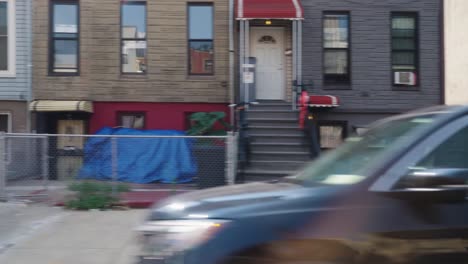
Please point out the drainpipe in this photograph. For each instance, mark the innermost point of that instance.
(442, 52)
(29, 15)
(232, 94)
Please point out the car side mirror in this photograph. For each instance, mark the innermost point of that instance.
(433, 185)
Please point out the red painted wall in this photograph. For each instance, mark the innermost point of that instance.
(158, 115)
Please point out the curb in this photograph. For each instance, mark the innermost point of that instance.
(139, 199)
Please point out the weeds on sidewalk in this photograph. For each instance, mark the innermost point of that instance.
(92, 195)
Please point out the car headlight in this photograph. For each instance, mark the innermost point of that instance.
(166, 238)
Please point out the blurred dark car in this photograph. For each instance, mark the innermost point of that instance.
(396, 194)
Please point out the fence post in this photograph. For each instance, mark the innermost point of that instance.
(45, 162)
(231, 155)
(114, 165)
(3, 171)
(235, 155)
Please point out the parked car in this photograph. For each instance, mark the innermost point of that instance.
(396, 194)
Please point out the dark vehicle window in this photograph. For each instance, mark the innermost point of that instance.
(453, 153)
(351, 162)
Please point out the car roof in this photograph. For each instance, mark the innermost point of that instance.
(441, 113)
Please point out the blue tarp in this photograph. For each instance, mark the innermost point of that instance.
(140, 160)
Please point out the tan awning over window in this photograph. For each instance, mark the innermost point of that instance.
(61, 106)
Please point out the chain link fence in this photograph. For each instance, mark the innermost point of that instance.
(33, 164)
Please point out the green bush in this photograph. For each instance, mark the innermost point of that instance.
(91, 195)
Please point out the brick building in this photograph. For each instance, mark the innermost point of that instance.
(361, 60)
(141, 64)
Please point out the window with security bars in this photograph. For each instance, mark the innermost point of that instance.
(405, 49)
(336, 48)
(331, 133)
(133, 37)
(64, 46)
(200, 38)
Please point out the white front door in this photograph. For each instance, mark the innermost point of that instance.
(267, 45)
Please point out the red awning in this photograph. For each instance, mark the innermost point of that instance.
(323, 101)
(269, 9)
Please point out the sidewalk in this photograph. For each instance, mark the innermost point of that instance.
(19, 220)
(89, 237)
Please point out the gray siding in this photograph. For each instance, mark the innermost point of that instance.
(371, 79)
(16, 88)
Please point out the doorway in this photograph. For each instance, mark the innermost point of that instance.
(267, 45)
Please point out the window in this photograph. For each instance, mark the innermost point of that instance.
(357, 158)
(200, 39)
(267, 40)
(135, 120)
(5, 122)
(7, 38)
(404, 49)
(64, 37)
(336, 47)
(453, 153)
(332, 133)
(133, 37)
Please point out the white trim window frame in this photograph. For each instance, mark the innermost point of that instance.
(11, 39)
(8, 141)
(9, 121)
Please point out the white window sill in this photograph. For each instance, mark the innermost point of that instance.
(7, 75)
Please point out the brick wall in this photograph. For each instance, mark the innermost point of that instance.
(100, 78)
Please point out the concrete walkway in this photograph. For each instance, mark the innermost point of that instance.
(70, 237)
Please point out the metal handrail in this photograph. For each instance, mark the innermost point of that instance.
(242, 127)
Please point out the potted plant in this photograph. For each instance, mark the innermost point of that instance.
(209, 153)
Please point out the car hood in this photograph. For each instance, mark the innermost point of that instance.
(237, 201)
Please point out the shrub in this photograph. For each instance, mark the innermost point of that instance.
(91, 195)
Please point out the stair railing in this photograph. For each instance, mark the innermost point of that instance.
(242, 127)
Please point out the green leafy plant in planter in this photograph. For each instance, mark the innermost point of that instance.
(209, 153)
(203, 123)
(92, 195)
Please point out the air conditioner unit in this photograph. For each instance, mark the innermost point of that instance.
(405, 78)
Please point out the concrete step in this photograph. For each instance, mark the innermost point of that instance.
(279, 138)
(258, 175)
(278, 165)
(272, 121)
(271, 106)
(275, 130)
(280, 155)
(255, 146)
(272, 102)
(275, 114)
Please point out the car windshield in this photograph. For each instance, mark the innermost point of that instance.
(351, 162)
